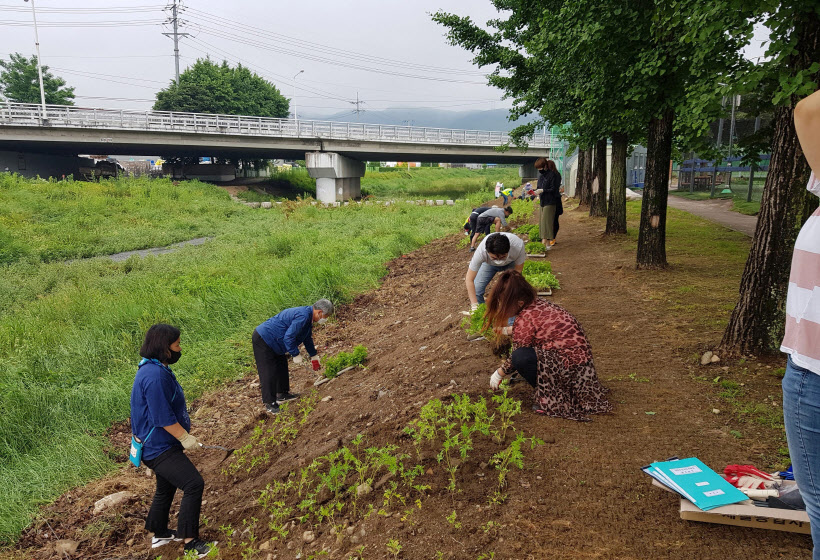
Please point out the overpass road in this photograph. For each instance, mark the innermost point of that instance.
(68, 130)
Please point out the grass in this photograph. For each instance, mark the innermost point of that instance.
(69, 332)
(45, 221)
(436, 182)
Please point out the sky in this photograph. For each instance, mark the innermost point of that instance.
(325, 54)
(321, 53)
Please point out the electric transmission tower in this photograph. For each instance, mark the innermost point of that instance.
(358, 103)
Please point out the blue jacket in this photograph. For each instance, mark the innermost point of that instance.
(288, 329)
(157, 400)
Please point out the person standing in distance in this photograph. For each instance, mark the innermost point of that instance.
(496, 253)
(549, 187)
(281, 335)
(160, 421)
(801, 340)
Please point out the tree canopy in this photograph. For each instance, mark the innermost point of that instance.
(19, 82)
(207, 87)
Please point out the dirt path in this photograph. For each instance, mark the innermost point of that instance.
(580, 496)
(718, 211)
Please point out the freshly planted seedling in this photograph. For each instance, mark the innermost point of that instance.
(536, 267)
(474, 323)
(394, 548)
(505, 460)
(344, 360)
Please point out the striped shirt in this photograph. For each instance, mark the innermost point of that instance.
(802, 337)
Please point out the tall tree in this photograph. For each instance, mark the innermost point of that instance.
(616, 213)
(597, 205)
(580, 181)
(792, 72)
(206, 87)
(19, 81)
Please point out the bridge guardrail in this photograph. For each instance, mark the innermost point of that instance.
(67, 116)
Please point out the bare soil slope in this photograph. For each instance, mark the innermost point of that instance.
(580, 496)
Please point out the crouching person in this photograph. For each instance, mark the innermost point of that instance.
(160, 422)
(279, 336)
(550, 351)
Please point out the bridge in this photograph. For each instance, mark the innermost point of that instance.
(335, 152)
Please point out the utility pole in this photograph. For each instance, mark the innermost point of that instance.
(176, 7)
(753, 166)
(719, 140)
(735, 104)
(39, 63)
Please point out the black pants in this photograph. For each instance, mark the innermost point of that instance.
(483, 225)
(272, 368)
(175, 471)
(525, 362)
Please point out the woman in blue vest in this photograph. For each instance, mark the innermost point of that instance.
(160, 421)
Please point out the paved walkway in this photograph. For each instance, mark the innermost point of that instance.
(718, 211)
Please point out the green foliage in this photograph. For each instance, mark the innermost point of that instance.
(394, 548)
(56, 318)
(207, 87)
(530, 230)
(342, 360)
(473, 324)
(57, 220)
(20, 82)
(436, 182)
(535, 248)
(512, 456)
(540, 275)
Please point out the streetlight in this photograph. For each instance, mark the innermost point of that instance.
(293, 98)
(39, 66)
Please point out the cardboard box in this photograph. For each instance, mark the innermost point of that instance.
(746, 515)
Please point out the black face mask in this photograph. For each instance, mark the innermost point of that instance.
(175, 356)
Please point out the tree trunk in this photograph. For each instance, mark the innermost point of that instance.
(757, 322)
(616, 213)
(586, 194)
(597, 206)
(579, 176)
(652, 234)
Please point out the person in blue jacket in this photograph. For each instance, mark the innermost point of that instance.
(281, 335)
(160, 421)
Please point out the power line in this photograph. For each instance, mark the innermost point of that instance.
(110, 24)
(247, 29)
(302, 56)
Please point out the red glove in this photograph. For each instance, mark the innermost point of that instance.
(315, 363)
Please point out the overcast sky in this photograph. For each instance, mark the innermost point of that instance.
(389, 52)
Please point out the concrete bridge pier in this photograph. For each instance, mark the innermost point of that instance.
(338, 178)
(527, 172)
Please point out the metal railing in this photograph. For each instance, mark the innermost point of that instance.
(65, 116)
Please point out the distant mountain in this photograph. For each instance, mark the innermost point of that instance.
(495, 119)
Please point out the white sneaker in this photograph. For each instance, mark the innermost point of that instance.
(162, 539)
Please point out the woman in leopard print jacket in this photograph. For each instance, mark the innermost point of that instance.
(550, 351)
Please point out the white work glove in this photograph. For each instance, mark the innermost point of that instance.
(506, 331)
(297, 359)
(538, 191)
(496, 379)
(189, 442)
(473, 306)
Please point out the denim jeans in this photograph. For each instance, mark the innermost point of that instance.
(801, 416)
(485, 275)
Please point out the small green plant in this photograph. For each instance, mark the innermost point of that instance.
(536, 267)
(535, 248)
(530, 230)
(451, 519)
(486, 556)
(543, 281)
(508, 408)
(344, 360)
(474, 323)
(505, 460)
(358, 554)
(394, 548)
